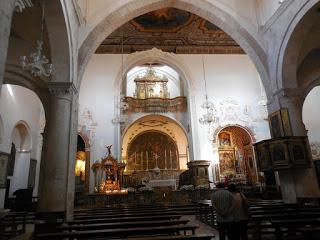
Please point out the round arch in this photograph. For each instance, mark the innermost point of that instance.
(21, 136)
(221, 128)
(86, 141)
(236, 158)
(290, 50)
(155, 55)
(162, 124)
(212, 13)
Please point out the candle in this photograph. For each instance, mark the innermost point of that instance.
(147, 160)
(165, 158)
(141, 160)
(170, 158)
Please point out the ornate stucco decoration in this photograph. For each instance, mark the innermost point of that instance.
(87, 124)
(232, 112)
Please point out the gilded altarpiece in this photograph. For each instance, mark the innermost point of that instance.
(152, 151)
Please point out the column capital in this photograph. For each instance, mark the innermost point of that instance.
(64, 90)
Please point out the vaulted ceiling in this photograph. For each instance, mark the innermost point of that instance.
(171, 30)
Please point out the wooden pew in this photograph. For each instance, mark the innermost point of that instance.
(140, 214)
(112, 225)
(184, 237)
(121, 232)
(124, 219)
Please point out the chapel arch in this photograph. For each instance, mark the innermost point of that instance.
(82, 165)
(155, 139)
(236, 159)
(213, 14)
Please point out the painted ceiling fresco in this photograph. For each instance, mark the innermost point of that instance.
(171, 30)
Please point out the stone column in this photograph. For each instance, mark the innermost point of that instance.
(295, 183)
(57, 166)
(6, 12)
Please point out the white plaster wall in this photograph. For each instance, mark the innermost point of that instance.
(228, 77)
(311, 116)
(20, 104)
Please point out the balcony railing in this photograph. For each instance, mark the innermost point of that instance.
(178, 104)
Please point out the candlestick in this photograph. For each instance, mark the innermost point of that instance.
(141, 160)
(170, 158)
(147, 160)
(165, 159)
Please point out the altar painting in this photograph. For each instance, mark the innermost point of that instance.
(227, 162)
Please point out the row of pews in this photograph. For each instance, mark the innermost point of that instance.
(273, 219)
(126, 222)
(13, 224)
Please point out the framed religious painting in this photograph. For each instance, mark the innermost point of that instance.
(263, 156)
(279, 123)
(275, 123)
(4, 158)
(32, 173)
(298, 152)
(227, 160)
(279, 154)
(286, 125)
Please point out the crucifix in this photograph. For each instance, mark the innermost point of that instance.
(156, 156)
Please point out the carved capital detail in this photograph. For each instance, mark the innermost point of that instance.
(20, 5)
(64, 90)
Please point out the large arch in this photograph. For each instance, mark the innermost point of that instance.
(158, 56)
(291, 52)
(214, 14)
(160, 123)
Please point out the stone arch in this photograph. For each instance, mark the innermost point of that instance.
(212, 13)
(240, 143)
(60, 38)
(155, 55)
(161, 123)
(86, 141)
(308, 75)
(21, 136)
(220, 128)
(290, 50)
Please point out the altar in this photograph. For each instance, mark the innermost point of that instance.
(163, 183)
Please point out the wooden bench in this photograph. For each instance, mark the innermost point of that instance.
(184, 237)
(121, 225)
(124, 219)
(141, 214)
(121, 232)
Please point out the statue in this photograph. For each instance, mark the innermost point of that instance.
(109, 149)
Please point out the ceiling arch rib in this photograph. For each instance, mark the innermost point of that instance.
(245, 37)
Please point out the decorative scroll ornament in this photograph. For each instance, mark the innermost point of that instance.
(38, 64)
